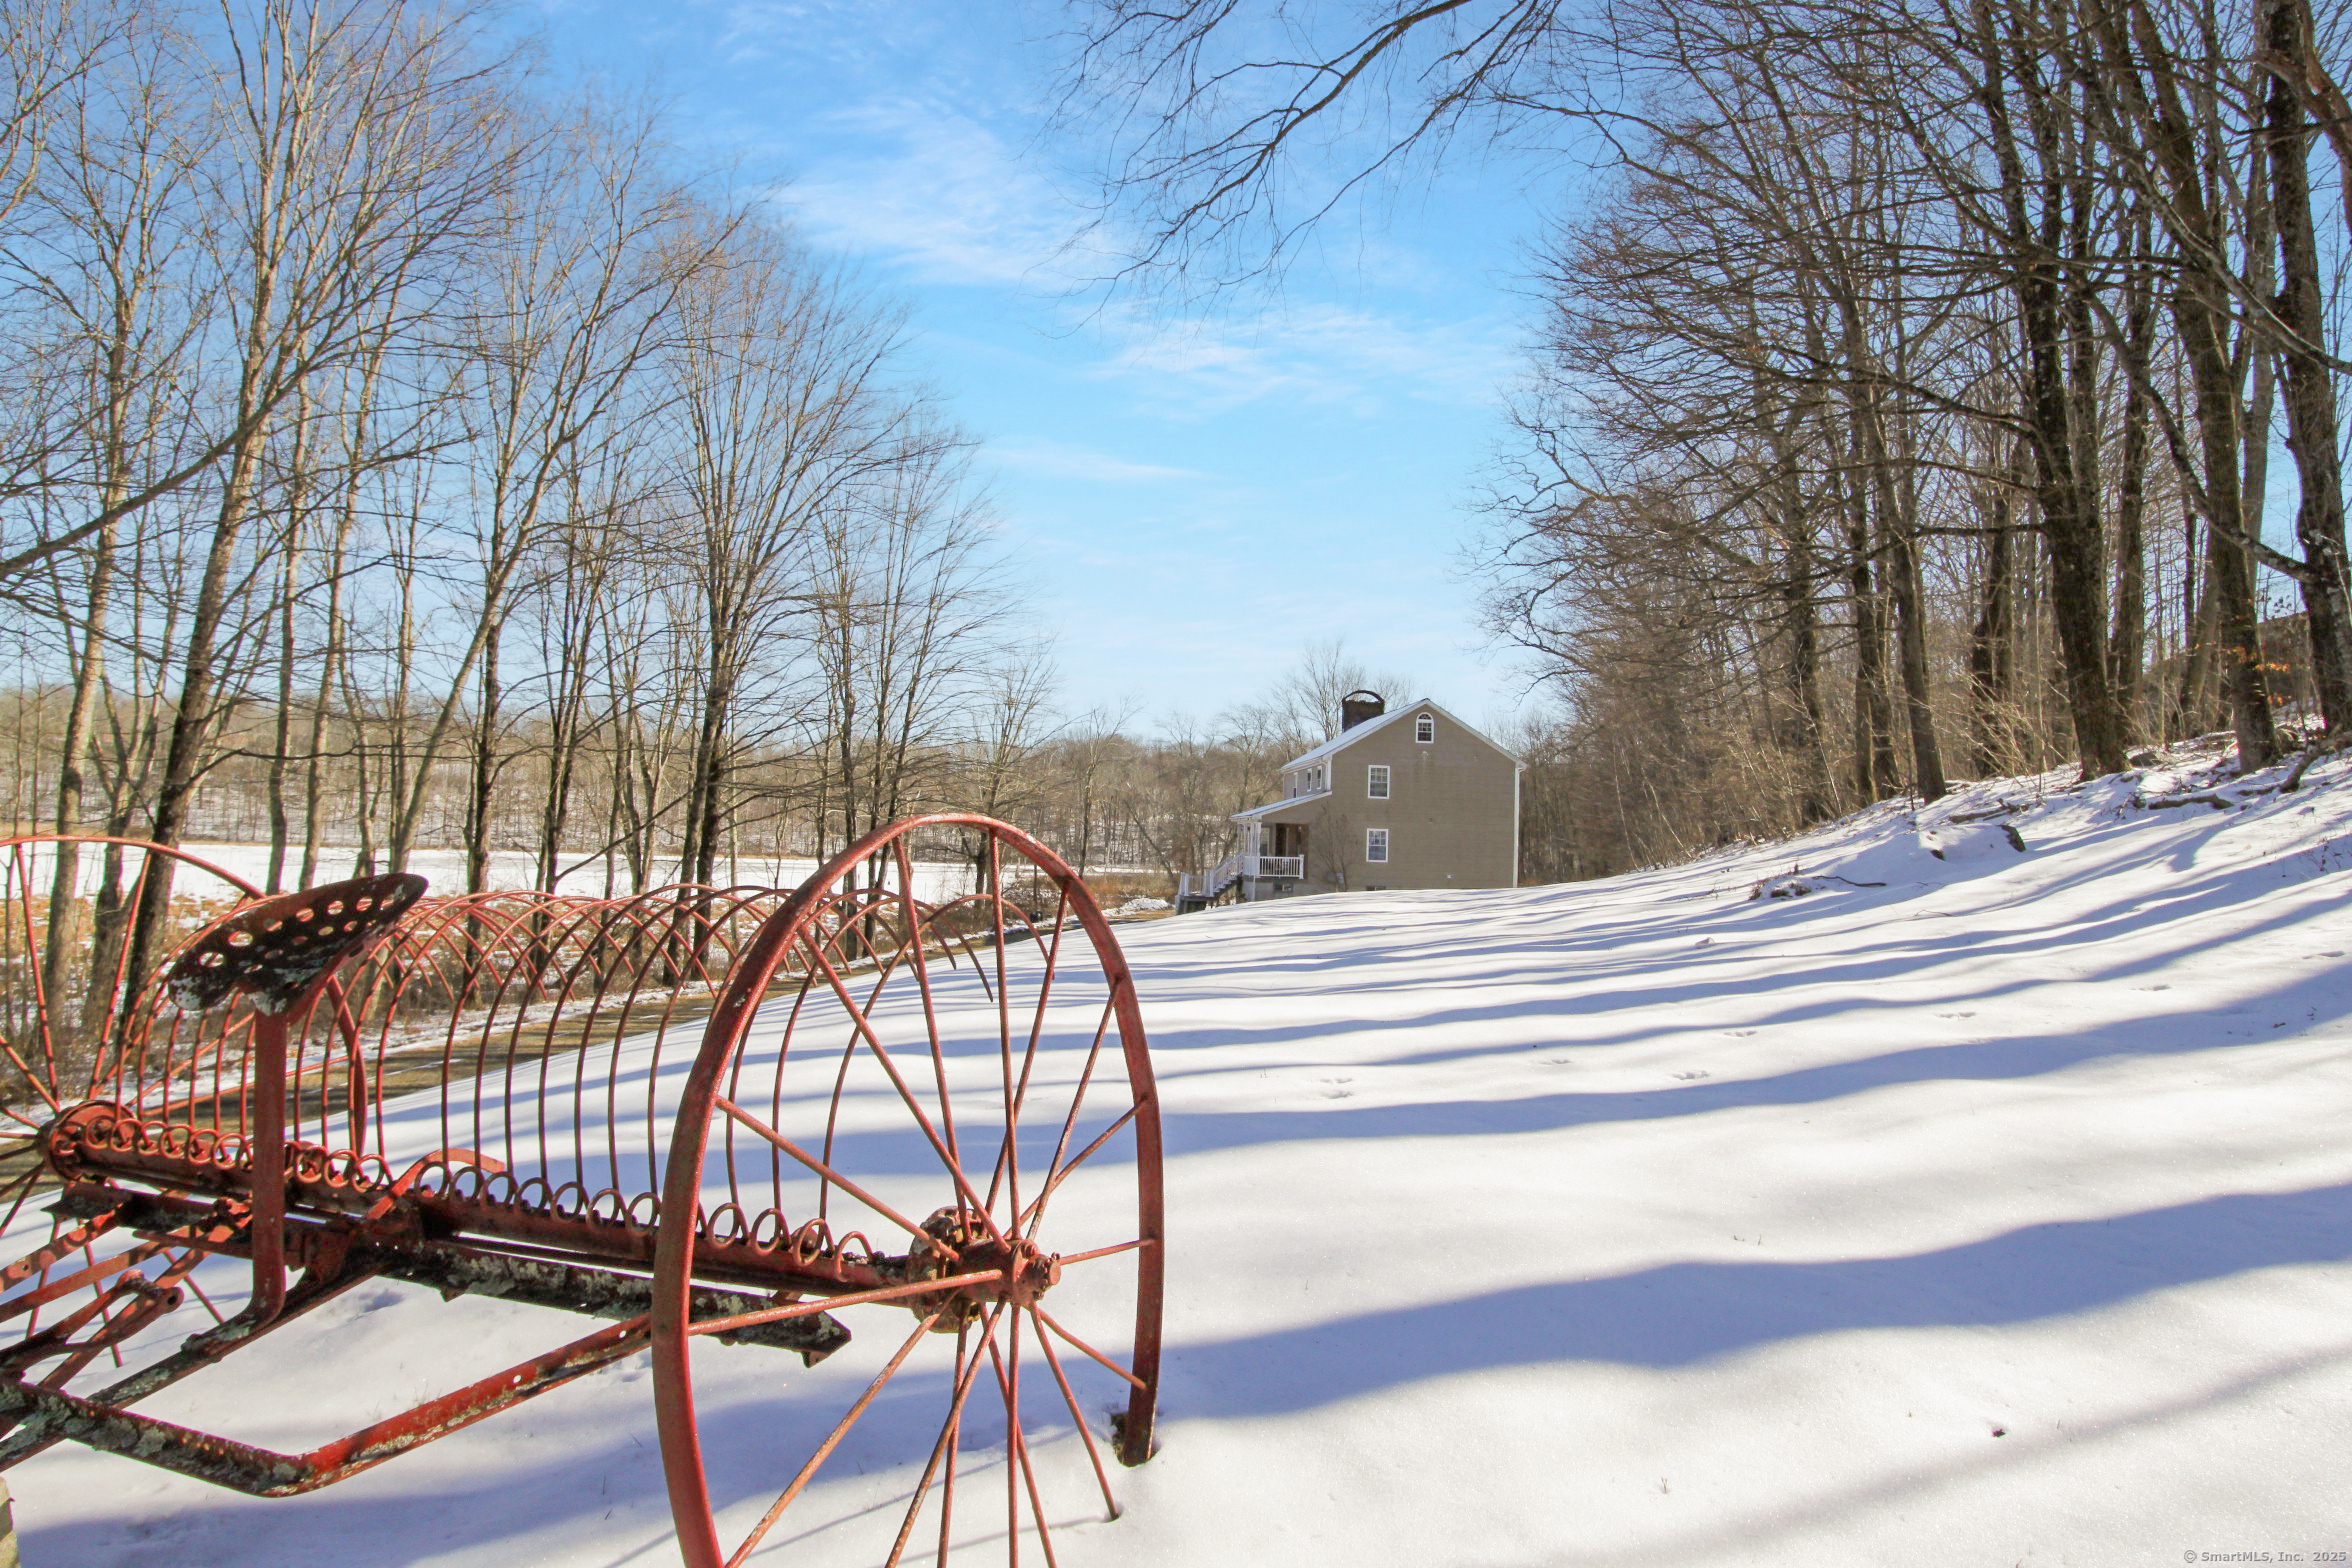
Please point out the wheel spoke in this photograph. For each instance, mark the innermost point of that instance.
(874, 1044)
(190, 1280)
(922, 972)
(1068, 1102)
(1028, 1221)
(1078, 1417)
(1009, 1156)
(32, 1078)
(1102, 1029)
(832, 1441)
(1079, 1344)
(967, 1365)
(819, 1166)
(955, 1440)
(22, 1187)
(1092, 1253)
(802, 1309)
(1017, 1452)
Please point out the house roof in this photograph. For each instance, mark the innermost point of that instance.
(1269, 810)
(1348, 737)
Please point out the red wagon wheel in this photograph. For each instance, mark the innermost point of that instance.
(935, 1120)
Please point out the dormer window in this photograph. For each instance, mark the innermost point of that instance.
(1424, 730)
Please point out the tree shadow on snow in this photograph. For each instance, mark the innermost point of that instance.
(1683, 1313)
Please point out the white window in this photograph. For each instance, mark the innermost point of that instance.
(1376, 781)
(1424, 730)
(1376, 844)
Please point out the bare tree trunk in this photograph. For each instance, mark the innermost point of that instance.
(2069, 512)
(2127, 643)
(2312, 433)
(72, 759)
(482, 776)
(194, 713)
(1927, 760)
(1992, 649)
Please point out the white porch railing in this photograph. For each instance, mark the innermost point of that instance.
(1211, 885)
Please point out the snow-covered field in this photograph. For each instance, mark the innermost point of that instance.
(1998, 1214)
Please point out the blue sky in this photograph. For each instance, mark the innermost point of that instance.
(1192, 498)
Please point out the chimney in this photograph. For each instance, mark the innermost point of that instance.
(1357, 706)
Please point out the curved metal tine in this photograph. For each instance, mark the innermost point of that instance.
(1009, 1155)
(1102, 1477)
(951, 943)
(967, 1367)
(1035, 1213)
(823, 1170)
(832, 1440)
(1078, 1344)
(1020, 1475)
(882, 973)
(922, 969)
(874, 1044)
(1004, 1030)
(832, 1120)
(784, 1038)
(34, 954)
(1102, 1029)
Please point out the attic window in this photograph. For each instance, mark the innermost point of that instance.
(1424, 730)
(1376, 845)
(1376, 781)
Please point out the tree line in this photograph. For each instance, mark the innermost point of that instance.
(403, 444)
(1912, 383)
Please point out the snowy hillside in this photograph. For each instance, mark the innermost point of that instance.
(1969, 1206)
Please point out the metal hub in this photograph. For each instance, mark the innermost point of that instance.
(1026, 1272)
(954, 1241)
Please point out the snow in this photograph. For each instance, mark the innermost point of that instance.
(2000, 1213)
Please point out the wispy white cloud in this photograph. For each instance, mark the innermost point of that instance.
(1351, 359)
(941, 196)
(1068, 462)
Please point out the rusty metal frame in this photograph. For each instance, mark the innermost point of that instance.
(190, 1137)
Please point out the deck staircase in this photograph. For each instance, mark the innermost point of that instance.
(1211, 887)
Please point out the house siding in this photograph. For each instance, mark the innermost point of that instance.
(1451, 812)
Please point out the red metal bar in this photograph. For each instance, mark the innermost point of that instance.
(267, 1121)
(262, 1473)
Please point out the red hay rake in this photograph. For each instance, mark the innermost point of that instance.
(715, 1118)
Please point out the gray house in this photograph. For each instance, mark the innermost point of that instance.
(1413, 798)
